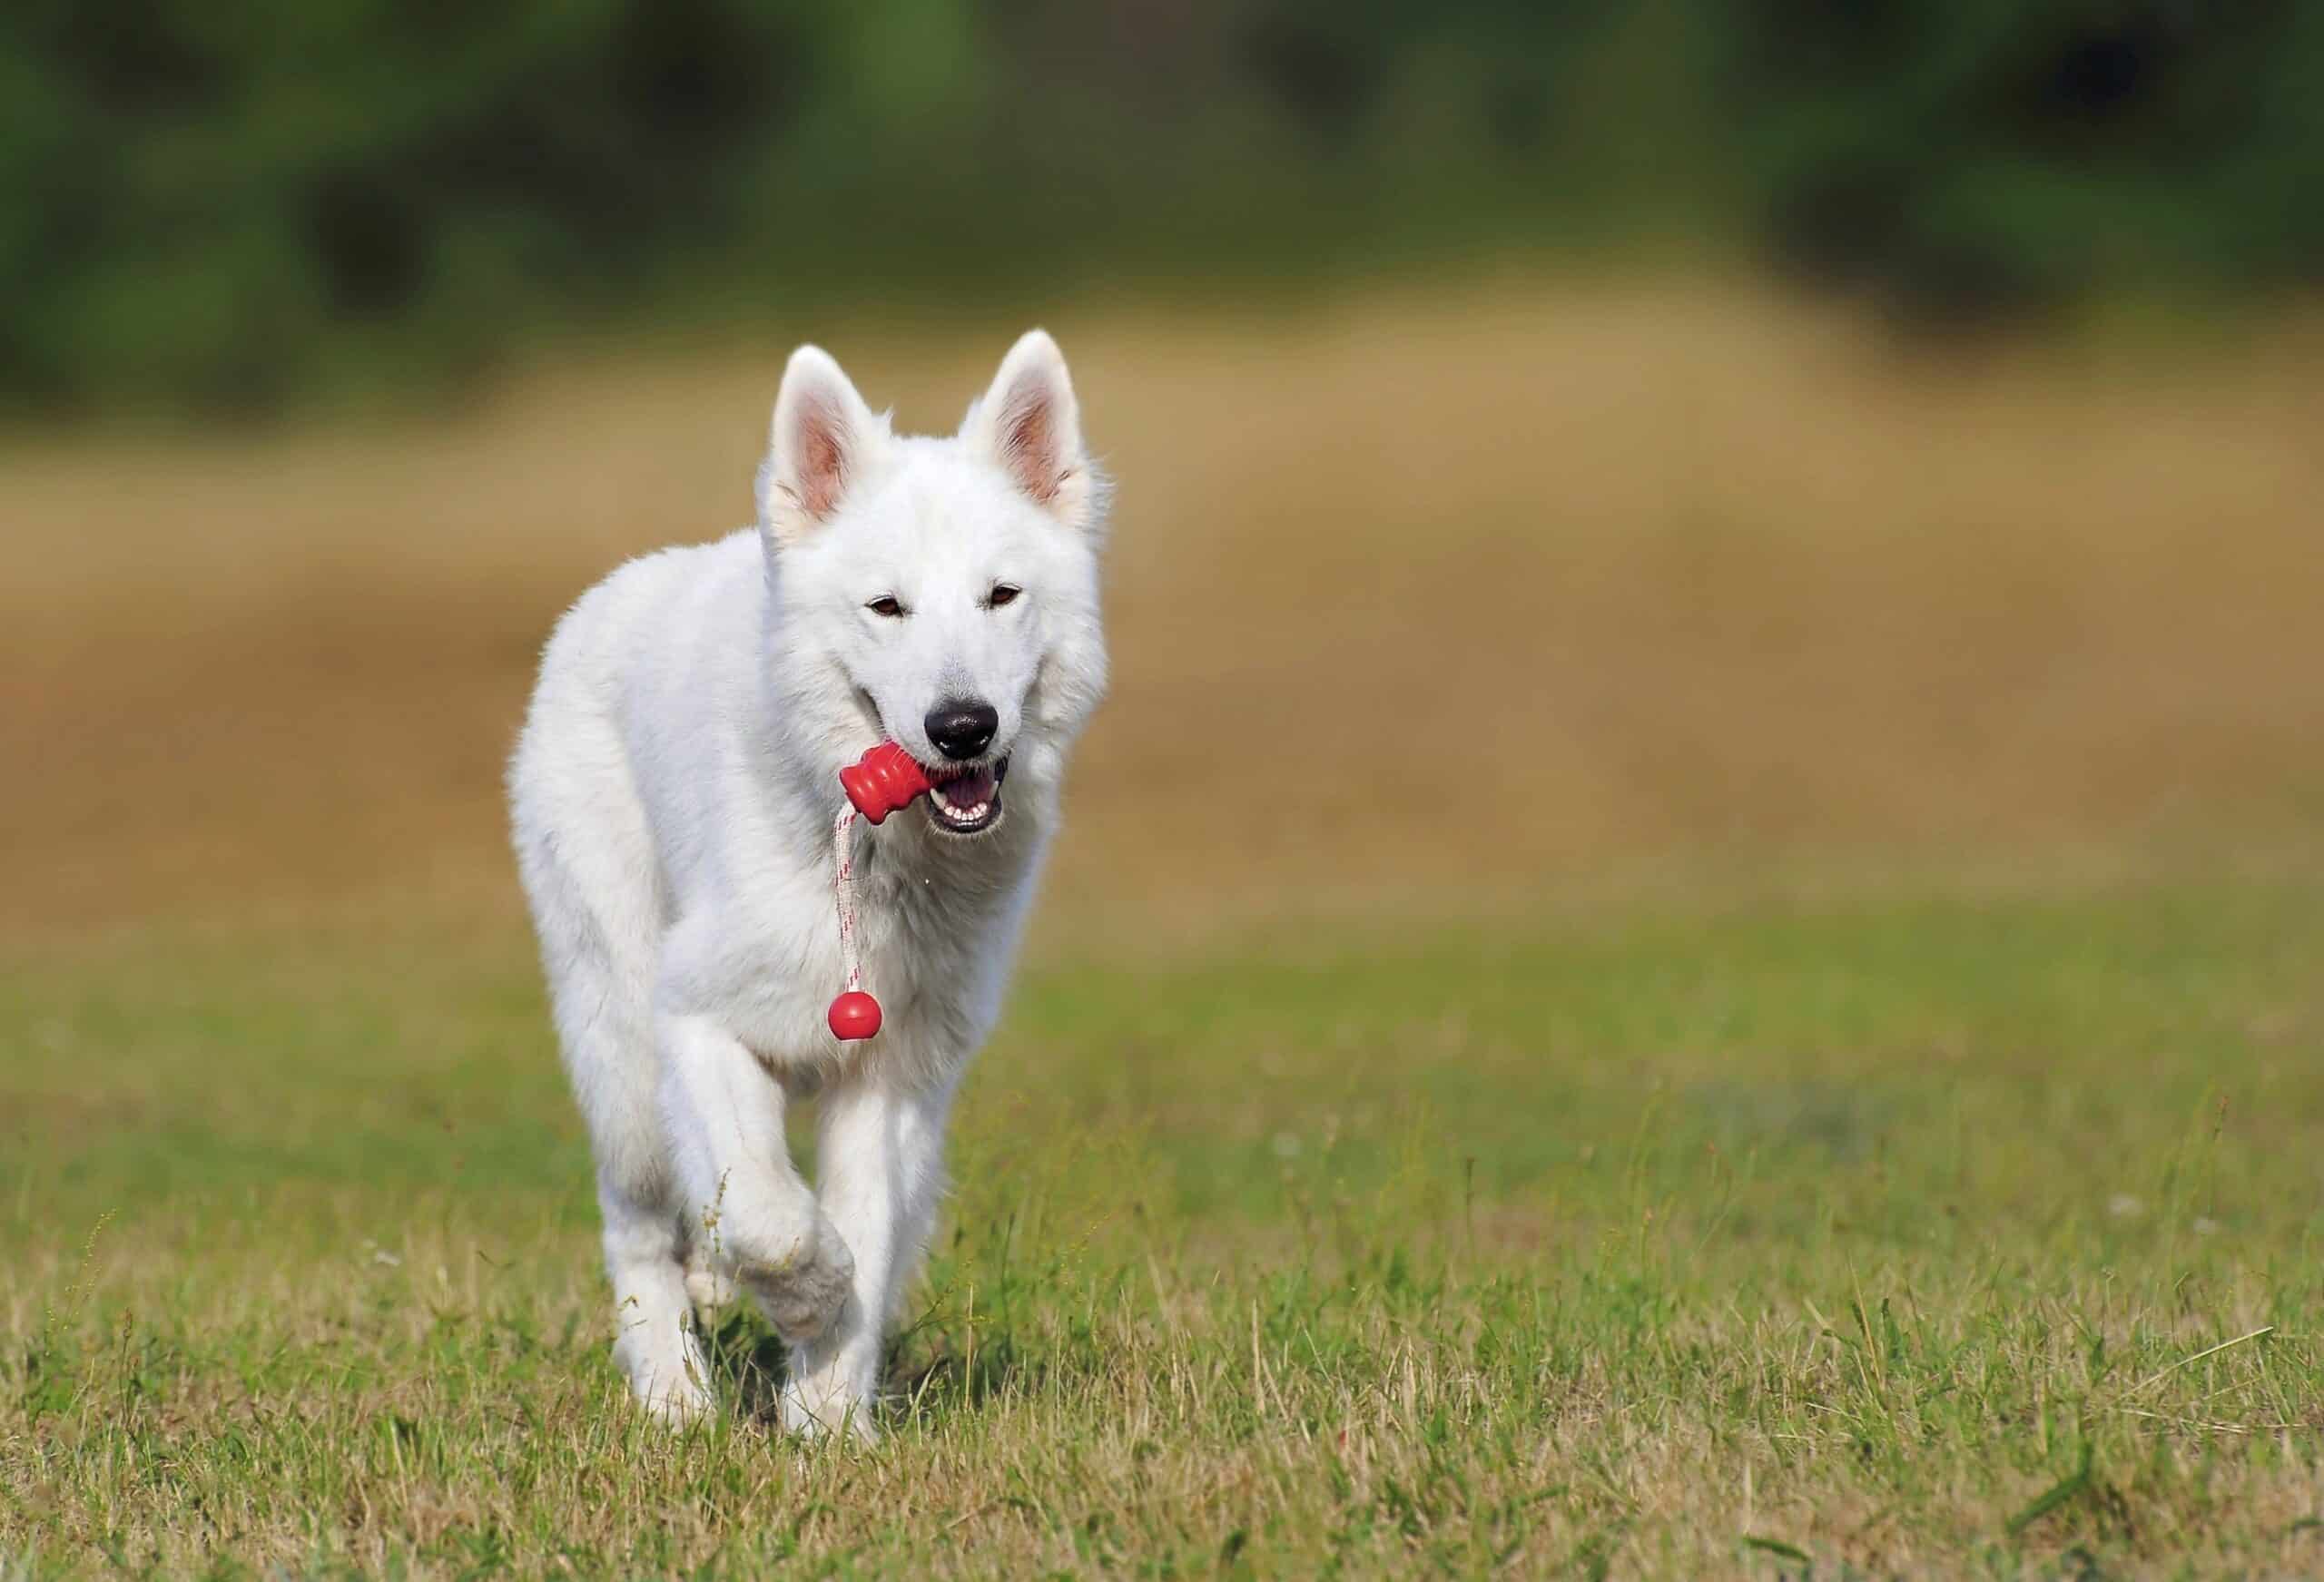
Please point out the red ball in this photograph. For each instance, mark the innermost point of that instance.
(854, 1016)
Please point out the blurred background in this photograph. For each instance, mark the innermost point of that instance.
(1719, 715)
(1583, 446)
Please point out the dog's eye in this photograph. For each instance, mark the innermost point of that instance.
(887, 605)
(1002, 594)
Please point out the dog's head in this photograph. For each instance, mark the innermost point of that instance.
(943, 592)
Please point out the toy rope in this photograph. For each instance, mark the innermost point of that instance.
(844, 895)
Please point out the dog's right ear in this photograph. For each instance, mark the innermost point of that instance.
(819, 446)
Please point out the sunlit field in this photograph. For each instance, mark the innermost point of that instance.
(1690, 946)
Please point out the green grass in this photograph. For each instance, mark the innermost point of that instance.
(1938, 1233)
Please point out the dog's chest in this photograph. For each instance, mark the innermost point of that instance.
(934, 947)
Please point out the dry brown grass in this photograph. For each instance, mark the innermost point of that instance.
(1551, 578)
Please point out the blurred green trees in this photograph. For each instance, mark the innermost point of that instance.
(1981, 154)
(219, 205)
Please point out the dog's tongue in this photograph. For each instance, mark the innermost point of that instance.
(966, 790)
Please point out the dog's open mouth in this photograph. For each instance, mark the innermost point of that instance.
(970, 802)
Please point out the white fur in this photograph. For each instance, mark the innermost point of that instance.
(673, 797)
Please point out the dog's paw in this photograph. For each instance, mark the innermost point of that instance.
(708, 1289)
(675, 1409)
(803, 1292)
(670, 1382)
(811, 1413)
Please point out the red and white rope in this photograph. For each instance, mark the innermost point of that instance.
(844, 895)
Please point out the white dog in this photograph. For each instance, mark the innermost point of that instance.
(673, 796)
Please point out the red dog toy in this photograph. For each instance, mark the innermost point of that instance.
(883, 780)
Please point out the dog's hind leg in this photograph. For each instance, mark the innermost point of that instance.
(881, 1155)
(654, 1344)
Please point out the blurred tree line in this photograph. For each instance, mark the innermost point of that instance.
(220, 204)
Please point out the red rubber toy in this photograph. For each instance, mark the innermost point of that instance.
(854, 1016)
(882, 782)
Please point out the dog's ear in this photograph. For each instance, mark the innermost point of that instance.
(821, 439)
(1031, 423)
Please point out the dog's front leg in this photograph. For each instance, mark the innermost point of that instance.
(757, 1218)
(881, 1154)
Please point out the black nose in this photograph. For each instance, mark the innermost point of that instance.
(962, 729)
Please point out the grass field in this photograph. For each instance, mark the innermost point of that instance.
(1844, 1095)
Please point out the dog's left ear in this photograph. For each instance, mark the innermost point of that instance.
(1030, 423)
(822, 441)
